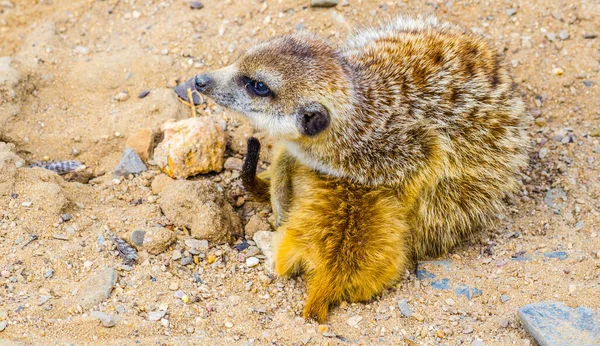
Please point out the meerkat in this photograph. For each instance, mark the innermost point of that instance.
(419, 105)
(351, 241)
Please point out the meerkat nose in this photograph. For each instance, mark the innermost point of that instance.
(193, 85)
(203, 82)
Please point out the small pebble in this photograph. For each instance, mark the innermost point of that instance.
(156, 315)
(503, 322)
(405, 309)
(558, 71)
(228, 324)
(122, 96)
(143, 94)
(26, 204)
(138, 237)
(504, 298)
(563, 35)
(174, 286)
(196, 5)
(468, 330)
(49, 274)
(252, 262)
(511, 11)
(354, 320)
(3, 325)
(65, 217)
(107, 320)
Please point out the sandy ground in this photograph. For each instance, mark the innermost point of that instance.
(73, 57)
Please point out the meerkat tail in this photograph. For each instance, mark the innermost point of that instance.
(324, 292)
(257, 186)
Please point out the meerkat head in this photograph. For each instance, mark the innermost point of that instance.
(291, 87)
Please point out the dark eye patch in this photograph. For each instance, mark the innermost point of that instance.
(256, 88)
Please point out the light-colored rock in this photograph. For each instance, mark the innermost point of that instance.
(354, 320)
(190, 147)
(106, 319)
(97, 288)
(160, 182)
(157, 240)
(130, 163)
(142, 141)
(264, 241)
(233, 163)
(9, 77)
(256, 224)
(252, 262)
(8, 168)
(201, 207)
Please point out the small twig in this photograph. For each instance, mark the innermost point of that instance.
(191, 104)
(32, 237)
(191, 98)
(114, 7)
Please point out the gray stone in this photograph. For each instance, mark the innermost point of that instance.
(511, 11)
(556, 324)
(504, 298)
(97, 288)
(156, 315)
(563, 34)
(555, 198)
(323, 3)
(3, 325)
(138, 237)
(131, 163)
(405, 309)
(106, 319)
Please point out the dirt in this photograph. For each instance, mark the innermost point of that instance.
(61, 98)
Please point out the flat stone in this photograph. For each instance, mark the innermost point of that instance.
(443, 284)
(97, 288)
(504, 298)
(467, 291)
(510, 11)
(3, 325)
(156, 315)
(263, 240)
(106, 319)
(323, 3)
(142, 141)
(554, 323)
(354, 320)
(131, 163)
(138, 237)
(197, 244)
(405, 309)
(561, 255)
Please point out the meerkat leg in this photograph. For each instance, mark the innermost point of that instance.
(288, 253)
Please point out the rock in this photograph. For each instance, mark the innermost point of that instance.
(504, 298)
(142, 142)
(156, 315)
(503, 322)
(160, 182)
(106, 319)
(41, 194)
(130, 164)
(563, 35)
(510, 11)
(256, 224)
(477, 342)
(554, 323)
(201, 245)
(442, 284)
(196, 5)
(589, 36)
(252, 262)
(555, 198)
(138, 237)
(543, 153)
(8, 167)
(354, 320)
(122, 96)
(9, 77)
(264, 241)
(174, 286)
(467, 291)
(157, 240)
(558, 71)
(143, 93)
(97, 288)
(405, 309)
(234, 164)
(323, 3)
(3, 325)
(561, 255)
(190, 147)
(201, 207)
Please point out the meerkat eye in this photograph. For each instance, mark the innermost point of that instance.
(256, 88)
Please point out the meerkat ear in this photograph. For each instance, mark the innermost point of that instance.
(312, 119)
